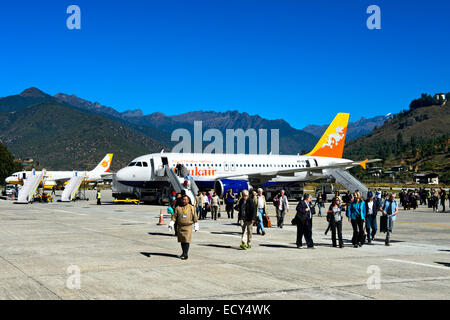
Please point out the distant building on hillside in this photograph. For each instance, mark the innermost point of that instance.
(440, 97)
(376, 171)
(426, 178)
(398, 168)
(389, 173)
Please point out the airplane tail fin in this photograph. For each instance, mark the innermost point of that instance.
(105, 164)
(331, 144)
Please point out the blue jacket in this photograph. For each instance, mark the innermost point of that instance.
(357, 209)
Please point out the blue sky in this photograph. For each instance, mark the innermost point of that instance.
(302, 61)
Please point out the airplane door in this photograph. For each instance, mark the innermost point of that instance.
(225, 166)
(158, 166)
(233, 166)
(152, 169)
(164, 161)
(308, 165)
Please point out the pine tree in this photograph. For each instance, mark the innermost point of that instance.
(7, 164)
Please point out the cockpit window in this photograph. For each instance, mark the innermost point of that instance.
(145, 164)
(132, 164)
(139, 164)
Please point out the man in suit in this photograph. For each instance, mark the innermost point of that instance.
(304, 222)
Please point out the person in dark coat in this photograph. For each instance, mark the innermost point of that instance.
(334, 218)
(303, 218)
(246, 217)
(356, 213)
(372, 207)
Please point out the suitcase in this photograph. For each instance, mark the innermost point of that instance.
(266, 222)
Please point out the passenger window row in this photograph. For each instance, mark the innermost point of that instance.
(246, 165)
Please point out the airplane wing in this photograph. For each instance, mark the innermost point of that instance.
(291, 171)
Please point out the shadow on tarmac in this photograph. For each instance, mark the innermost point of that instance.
(226, 232)
(149, 254)
(219, 246)
(161, 234)
(446, 264)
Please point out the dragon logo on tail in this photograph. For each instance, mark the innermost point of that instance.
(334, 138)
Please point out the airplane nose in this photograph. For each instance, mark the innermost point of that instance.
(122, 175)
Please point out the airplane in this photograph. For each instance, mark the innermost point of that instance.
(242, 171)
(59, 178)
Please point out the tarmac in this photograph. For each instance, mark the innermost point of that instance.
(80, 250)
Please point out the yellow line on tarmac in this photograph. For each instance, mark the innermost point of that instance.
(426, 224)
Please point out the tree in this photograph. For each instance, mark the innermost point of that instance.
(413, 146)
(425, 100)
(7, 164)
(399, 144)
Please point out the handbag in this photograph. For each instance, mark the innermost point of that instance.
(266, 222)
(383, 223)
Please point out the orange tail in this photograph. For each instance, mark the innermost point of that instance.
(331, 144)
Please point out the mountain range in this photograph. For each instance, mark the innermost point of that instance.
(64, 131)
(355, 129)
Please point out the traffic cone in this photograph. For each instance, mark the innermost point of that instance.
(161, 219)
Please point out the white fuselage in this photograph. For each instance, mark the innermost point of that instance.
(52, 177)
(206, 168)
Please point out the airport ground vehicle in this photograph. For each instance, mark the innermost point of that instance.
(328, 190)
(294, 191)
(9, 190)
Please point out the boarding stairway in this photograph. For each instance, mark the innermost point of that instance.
(72, 187)
(348, 181)
(30, 186)
(178, 181)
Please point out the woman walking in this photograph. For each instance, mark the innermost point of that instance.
(334, 218)
(356, 213)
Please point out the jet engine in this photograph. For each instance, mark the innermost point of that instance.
(222, 186)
